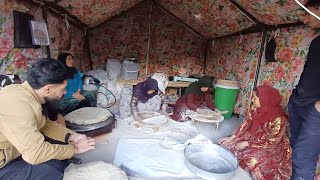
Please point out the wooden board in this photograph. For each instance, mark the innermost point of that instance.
(177, 84)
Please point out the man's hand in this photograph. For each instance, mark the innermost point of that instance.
(60, 120)
(78, 96)
(76, 138)
(241, 145)
(84, 145)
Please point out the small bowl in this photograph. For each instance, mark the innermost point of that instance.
(210, 161)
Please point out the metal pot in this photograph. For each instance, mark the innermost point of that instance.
(210, 161)
(87, 80)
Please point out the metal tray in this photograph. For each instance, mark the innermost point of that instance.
(210, 161)
(90, 127)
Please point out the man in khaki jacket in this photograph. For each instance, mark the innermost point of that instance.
(25, 152)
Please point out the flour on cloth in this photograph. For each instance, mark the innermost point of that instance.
(88, 115)
(94, 171)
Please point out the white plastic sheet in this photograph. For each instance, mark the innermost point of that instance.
(146, 158)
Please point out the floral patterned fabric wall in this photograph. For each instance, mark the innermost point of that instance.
(236, 58)
(69, 40)
(291, 52)
(171, 44)
(15, 60)
(125, 35)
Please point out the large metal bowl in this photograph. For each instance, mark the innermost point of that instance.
(210, 161)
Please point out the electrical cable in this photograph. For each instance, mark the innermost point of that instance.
(115, 99)
(300, 4)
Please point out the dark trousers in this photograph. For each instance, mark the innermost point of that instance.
(304, 140)
(21, 170)
(18, 169)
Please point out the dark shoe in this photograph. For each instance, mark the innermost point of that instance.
(73, 160)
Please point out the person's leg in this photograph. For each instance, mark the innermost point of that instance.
(54, 170)
(295, 120)
(21, 170)
(179, 112)
(305, 150)
(67, 105)
(90, 100)
(125, 100)
(177, 115)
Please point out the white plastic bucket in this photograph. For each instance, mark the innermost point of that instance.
(129, 70)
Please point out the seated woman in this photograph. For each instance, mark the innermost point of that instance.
(144, 92)
(75, 97)
(138, 99)
(261, 143)
(198, 94)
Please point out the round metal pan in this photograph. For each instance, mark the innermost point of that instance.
(210, 161)
(90, 127)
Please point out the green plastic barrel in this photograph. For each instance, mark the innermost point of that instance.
(225, 99)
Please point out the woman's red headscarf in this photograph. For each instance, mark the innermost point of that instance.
(270, 109)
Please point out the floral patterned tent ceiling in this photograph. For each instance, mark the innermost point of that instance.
(210, 18)
(273, 12)
(94, 12)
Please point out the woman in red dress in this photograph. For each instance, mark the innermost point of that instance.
(261, 143)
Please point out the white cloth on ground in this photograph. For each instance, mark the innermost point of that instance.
(152, 158)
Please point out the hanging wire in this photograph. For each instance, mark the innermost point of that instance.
(66, 21)
(276, 34)
(107, 90)
(241, 38)
(300, 4)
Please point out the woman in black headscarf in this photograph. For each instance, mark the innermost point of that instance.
(75, 96)
(143, 92)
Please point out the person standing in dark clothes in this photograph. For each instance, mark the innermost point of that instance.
(304, 108)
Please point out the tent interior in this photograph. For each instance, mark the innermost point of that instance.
(226, 39)
(222, 38)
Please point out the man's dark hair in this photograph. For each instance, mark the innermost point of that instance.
(313, 3)
(46, 71)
